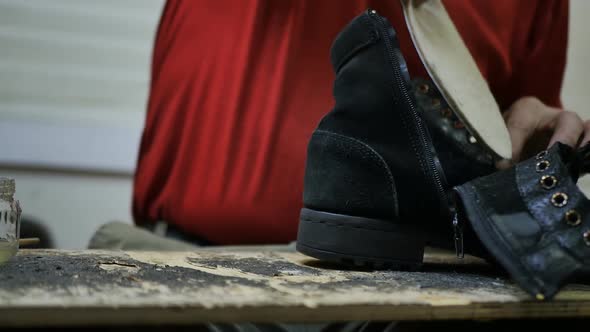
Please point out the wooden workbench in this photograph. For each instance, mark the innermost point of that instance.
(65, 288)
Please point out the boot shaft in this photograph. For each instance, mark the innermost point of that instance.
(372, 155)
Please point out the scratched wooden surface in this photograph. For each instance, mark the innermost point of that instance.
(45, 287)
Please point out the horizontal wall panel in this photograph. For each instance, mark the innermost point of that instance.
(74, 78)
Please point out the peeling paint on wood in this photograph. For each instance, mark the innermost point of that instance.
(102, 287)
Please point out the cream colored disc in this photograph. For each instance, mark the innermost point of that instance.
(456, 74)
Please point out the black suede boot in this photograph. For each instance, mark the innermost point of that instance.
(375, 186)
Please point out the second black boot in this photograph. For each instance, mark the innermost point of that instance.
(376, 182)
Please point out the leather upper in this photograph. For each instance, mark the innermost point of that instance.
(370, 123)
(533, 219)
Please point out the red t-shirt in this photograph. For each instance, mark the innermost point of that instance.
(239, 85)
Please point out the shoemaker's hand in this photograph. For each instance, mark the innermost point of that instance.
(534, 126)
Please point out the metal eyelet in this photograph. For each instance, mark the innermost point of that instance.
(541, 155)
(548, 181)
(423, 88)
(559, 199)
(446, 112)
(543, 165)
(458, 125)
(472, 139)
(586, 236)
(573, 218)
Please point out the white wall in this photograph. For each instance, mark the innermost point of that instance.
(73, 85)
(72, 205)
(80, 68)
(73, 81)
(576, 87)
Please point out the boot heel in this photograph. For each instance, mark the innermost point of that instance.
(358, 241)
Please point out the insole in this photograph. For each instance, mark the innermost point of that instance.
(455, 73)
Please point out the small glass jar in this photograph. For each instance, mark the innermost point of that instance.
(10, 213)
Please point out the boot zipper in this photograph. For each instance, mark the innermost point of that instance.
(458, 234)
(427, 157)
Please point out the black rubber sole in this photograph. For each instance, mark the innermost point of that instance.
(360, 242)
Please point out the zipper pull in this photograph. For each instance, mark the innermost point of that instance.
(458, 235)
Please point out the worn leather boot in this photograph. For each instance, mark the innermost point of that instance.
(533, 219)
(381, 162)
